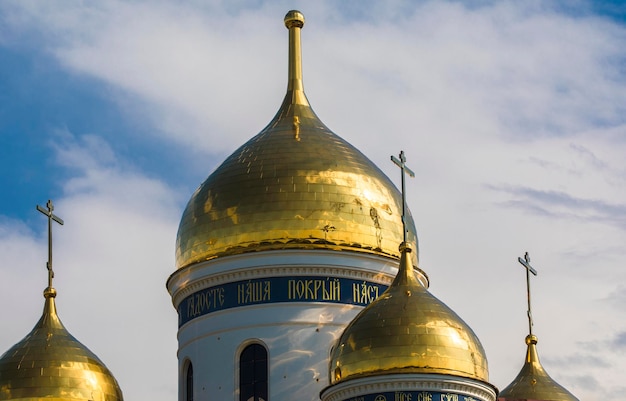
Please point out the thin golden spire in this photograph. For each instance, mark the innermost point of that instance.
(294, 21)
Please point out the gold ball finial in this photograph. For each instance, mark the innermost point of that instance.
(49, 292)
(531, 339)
(405, 246)
(294, 19)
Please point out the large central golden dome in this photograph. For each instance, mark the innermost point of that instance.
(294, 185)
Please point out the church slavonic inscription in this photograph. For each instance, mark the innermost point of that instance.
(204, 301)
(364, 293)
(402, 396)
(278, 289)
(254, 291)
(327, 289)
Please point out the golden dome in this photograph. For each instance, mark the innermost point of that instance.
(407, 330)
(533, 382)
(294, 185)
(50, 364)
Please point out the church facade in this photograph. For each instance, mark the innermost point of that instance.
(278, 251)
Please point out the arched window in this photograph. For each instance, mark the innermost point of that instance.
(253, 373)
(189, 383)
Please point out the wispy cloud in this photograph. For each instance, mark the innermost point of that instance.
(619, 342)
(561, 205)
(617, 297)
(579, 361)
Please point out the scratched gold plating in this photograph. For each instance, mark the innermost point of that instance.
(295, 185)
(407, 330)
(50, 364)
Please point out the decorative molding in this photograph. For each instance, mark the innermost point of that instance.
(230, 268)
(369, 386)
(180, 289)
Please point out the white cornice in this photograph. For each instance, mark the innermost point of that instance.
(279, 264)
(408, 382)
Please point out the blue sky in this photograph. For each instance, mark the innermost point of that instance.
(40, 99)
(512, 116)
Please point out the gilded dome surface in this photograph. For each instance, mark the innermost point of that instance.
(407, 330)
(50, 364)
(294, 185)
(533, 382)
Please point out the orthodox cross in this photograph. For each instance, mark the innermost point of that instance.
(529, 269)
(404, 169)
(51, 217)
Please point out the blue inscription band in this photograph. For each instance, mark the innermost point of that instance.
(413, 396)
(278, 289)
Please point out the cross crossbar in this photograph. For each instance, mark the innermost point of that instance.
(529, 269)
(51, 217)
(404, 170)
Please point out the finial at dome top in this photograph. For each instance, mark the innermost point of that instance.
(294, 19)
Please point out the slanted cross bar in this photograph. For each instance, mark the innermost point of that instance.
(529, 269)
(51, 217)
(404, 170)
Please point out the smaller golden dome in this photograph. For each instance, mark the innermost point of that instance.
(407, 330)
(50, 364)
(533, 382)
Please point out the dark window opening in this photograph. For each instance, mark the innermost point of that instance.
(189, 383)
(253, 373)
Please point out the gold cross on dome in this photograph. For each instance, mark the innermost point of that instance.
(51, 217)
(404, 170)
(529, 269)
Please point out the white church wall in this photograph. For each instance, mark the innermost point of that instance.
(297, 337)
(294, 302)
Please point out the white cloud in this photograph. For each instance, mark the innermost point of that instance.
(111, 260)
